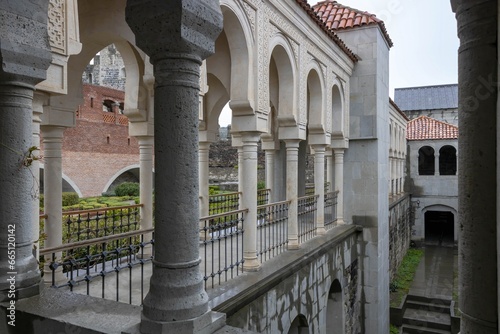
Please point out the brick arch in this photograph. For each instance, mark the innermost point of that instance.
(118, 174)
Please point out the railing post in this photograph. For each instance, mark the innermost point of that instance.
(292, 163)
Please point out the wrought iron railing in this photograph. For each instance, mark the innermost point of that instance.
(263, 196)
(96, 223)
(117, 262)
(222, 251)
(222, 203)
(272, 229)
(330, 209)
(306, 215)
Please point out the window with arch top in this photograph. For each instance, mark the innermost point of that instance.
(447, 160)
(426, 161)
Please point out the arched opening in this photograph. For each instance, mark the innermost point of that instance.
(447, 160)
(335, 312)
(299, 325)
(337, 113)
(426, 161)
(439, 228)
(131, 175)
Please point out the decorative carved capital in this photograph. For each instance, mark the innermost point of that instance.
(24, 42)
(163, 28)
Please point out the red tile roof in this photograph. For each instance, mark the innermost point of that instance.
(426, 128)
(339, 17)
(309, 10)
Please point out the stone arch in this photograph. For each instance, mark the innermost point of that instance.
(426, 161)
(447, 160)
(338, 116)
(131, 169)
(335, 309)
(440, 208)
(102, 24)
(68, 183)
(315, 99)
(238, 33)
(215, 100)
(299, 325)
(283, 62)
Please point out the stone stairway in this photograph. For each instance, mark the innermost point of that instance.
(425, 315)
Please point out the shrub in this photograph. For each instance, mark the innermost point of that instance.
(127, 189)
(213, 190)
(261, 185)
(69, 198)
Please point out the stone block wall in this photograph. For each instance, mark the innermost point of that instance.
(305, 292)
(401, 221)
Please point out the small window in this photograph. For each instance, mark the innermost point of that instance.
(447, 160)
(426, 161)
(91, 102)
(107, 105)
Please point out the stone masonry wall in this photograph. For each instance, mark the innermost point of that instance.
(305, 292)
(401, 222)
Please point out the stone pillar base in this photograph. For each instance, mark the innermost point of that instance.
(293, 244)
(340, 221)
(205, 324)
(320, 230)
(251, 264)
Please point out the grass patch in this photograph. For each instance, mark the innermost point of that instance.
(394, 330)
(400, 286)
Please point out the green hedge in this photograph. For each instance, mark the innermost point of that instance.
(127, 189)
(69, 198)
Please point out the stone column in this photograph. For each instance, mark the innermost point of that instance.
(146, 185)
(478, 195)
(38, 101)
(319, 186)
(292, 164)
(339, 184)
(203, 183)
(25, 54)
(270, 156)
(329, 169)
(177, 36)
(248, 172)
(436, 162)
(52, 183)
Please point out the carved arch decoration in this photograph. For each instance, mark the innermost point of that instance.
(315, 116)
(283, 89)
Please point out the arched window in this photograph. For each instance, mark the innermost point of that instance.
(426, 161)
(447, 160)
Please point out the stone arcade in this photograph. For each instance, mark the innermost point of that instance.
(291, 82)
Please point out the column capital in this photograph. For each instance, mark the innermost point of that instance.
(292, 143)
(165, 28)
(24, 47)
(319, 147)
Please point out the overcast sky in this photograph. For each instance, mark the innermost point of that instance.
(424, 34)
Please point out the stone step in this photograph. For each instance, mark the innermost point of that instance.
(427, 319)
(410, 329)
(434, 300)
(429, 306)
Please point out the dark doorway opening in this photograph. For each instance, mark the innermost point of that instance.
(439, 228)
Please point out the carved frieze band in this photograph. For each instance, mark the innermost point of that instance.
(57, 26)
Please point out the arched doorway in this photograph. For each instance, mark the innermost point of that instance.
(299, 325)
(334, 309)
(439, 228)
